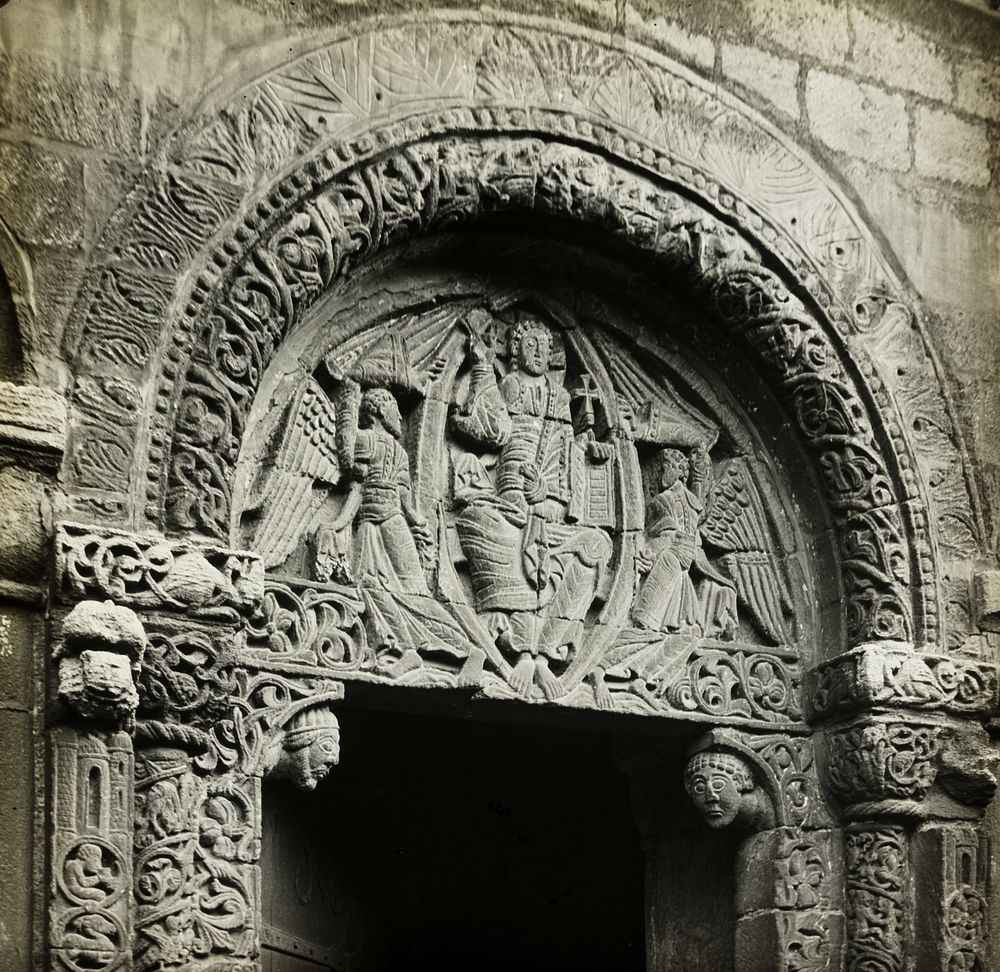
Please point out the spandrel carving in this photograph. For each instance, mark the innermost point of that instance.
(492, 493)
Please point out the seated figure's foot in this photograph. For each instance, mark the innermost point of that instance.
(602, 695)
(471, 674)
(409, 660)
(547, 679)
(523, 675)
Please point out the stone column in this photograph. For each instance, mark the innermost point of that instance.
(908, 763)
(788, 896)
(32, 440)
(211, 720)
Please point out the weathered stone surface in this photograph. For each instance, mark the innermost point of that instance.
(890, 51)
(859, 119)
(775, 78)
(103, 625)
(946, 147)
(17, 645)
(73, 106)
(32, 419)
(821, 30)
(16, 839)
(986, 600)
(662, 31)
(54, 186)
(23, 535)
(978, 87)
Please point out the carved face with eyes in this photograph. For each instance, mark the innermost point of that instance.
(673, 467)
(533, 349)
(719, 785)
(311, 749)
(323, 753)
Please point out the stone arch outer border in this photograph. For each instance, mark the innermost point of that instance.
(185, 228)
(426, 185)
(182, 241)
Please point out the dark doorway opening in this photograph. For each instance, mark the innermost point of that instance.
(450, 844)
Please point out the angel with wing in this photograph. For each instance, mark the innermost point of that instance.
(351, 447)
(691, 507)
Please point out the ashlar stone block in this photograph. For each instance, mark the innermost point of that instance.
(859, 119)
(775, 78)
(947, 147)
(888, 51)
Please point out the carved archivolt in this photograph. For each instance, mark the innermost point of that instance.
(612, 155)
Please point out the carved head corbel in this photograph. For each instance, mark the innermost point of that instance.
(307, 748)
(102, 648)
(723, 787)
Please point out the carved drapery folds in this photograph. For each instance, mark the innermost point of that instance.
(648, 580)
(427, 186)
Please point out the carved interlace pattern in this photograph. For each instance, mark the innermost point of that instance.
(875, 903)
(883, 761)
(427, 187)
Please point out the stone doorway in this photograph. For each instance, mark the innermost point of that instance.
(452, 844)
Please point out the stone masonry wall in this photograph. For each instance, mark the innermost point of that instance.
(901, 98)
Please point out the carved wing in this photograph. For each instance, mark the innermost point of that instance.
(297, 469)
(661, 416)
(734, 522)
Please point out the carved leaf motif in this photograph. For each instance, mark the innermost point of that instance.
(625, 97)
(416, 59)
(329, 89)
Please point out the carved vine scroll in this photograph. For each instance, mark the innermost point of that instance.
(427, 187)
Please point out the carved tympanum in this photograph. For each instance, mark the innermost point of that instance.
(518, 502)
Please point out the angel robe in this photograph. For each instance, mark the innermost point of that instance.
(667, 600)
(385, 553)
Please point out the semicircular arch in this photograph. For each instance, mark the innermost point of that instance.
(265, 200)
